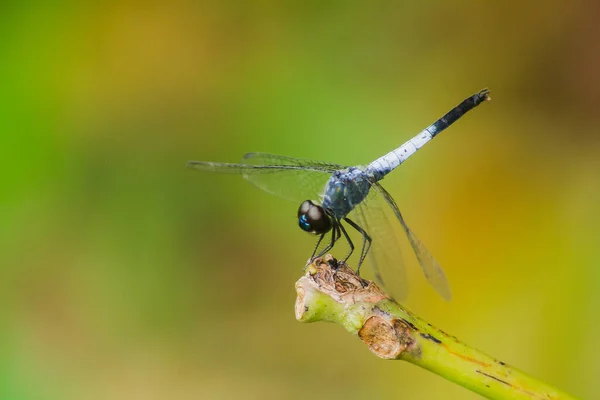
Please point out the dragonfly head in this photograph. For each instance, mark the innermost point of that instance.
(313, 218)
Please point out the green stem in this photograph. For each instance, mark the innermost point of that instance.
(393, 332)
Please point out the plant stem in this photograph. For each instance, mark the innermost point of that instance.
(334, 293)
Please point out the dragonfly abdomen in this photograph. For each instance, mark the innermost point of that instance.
(384, 165)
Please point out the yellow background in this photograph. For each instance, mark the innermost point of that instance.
(126, 275)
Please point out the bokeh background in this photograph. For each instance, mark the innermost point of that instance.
(127, 276)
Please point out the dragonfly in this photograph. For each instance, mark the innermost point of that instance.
(334, 198)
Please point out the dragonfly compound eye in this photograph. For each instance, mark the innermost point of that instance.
(313, 218)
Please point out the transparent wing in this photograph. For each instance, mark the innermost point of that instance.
(274, 159)
(384, 257)
(432, 270)
(304, 179)
(290, 178)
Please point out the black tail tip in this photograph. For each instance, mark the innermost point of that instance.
(483, 95)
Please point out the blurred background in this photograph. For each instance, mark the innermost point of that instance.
(126, 275)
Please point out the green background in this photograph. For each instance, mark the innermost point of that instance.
(126, 275)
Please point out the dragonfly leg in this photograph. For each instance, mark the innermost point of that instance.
(366, 242)
(349, 243)
(335, 235)
(312, 257)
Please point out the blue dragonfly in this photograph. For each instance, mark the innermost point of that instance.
(331, 195)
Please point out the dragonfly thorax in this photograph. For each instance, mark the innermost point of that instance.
(345, 190)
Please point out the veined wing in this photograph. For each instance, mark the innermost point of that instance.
(305, 179)
(290, 178)
(258, 158)
(432, 270)
(385, 256)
